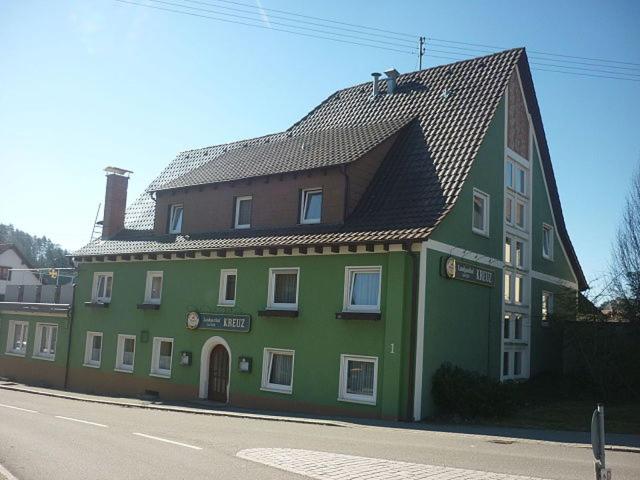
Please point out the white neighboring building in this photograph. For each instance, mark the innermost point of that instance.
(10, 257)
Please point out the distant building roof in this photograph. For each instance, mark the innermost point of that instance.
(10, 246)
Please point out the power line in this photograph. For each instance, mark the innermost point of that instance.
(264, 27)
(269, 22)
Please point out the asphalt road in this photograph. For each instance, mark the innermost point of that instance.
(52, 438)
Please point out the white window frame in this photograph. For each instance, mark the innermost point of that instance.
(236, 216)
(271, 304)
(11, 334)
(149, 285)
(548, 228)
(156, 371)
(267, 357)
(172, 213)
(349, 278)
(88, 348)
(222, 293)
(508, 250)
(510, 217)
(516, 203)
(40, 330)
(486, 199)
(303, 205)
(94, 289)
(523, 253)
(120, 367)
(343, 396)
(545, 316)
(511, 345)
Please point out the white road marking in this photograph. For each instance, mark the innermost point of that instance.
(167, 441)
(18, 408)
(81, 421)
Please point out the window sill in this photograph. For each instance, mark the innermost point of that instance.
(122, 370)
(276, 390)
(273, 312)
(347, 315)
(227, 305)
(148, 306)
(550, 259)
(160, 375)
(94, 304)
(42, 357)
(356, 400)
(90, 366)
(16, 354)
(481, 233)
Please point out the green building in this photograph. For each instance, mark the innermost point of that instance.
(333, 267)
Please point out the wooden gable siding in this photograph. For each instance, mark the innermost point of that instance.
(518, 125)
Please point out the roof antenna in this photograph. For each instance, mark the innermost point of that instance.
(421, 41)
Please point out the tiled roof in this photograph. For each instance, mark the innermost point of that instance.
(451, 107)
(10, 246)
(290, 153)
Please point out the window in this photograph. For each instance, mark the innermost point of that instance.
(93, 349)
(515, 346)
(520, 215)
(480, 213)
(153, 288)
(176, 213)
(17, 337)
(507, 250)
(283, 288)
(519, 254)
(358, 379)
(362, 289)
(507, 287)
(547, 241)
(521, 180)
(242, 217)
(519, 289)
(45, 341)
(277, 370)
(161, 357)
(311, 206)
(102, 284)
(508, 174)
(508, 210)
(227, 294)
(125, 354)
(547, 307)
(5, 273)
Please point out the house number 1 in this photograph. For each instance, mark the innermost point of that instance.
(393, 345)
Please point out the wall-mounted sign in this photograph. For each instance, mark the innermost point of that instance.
(219, 321)
(468, 272)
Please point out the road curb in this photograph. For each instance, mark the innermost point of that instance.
(196, 411)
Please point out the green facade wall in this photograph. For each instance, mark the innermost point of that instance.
(317, 337)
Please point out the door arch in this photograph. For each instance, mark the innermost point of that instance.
(205, 360)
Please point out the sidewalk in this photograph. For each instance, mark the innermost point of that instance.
(615, 442)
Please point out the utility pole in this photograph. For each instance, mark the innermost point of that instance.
(421, 50)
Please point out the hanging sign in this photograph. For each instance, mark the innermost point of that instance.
(218, 321)
(468, 272)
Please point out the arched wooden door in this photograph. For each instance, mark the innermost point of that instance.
(218, 374)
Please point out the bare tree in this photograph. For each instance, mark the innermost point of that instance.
(626, 259)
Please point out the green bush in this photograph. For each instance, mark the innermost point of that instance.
(471, 395)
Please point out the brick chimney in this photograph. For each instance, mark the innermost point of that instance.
(115, 201)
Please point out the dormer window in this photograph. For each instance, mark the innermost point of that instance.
(175, 218)
(242, 218)
(311, 206)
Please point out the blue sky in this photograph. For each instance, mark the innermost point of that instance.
(90, 83)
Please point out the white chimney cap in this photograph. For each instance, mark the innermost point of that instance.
(117, 171)
(392, 73)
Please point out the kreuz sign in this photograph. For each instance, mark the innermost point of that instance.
(455, 268)
(219, 321)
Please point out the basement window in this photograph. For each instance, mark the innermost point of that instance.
(227, 294)
(93, 349)
(161, 357)
(362, 289)
(125, 354)
(358, 379)
(480, 224)
(45, 341)
(242, 218)
(311, 206)
(102, 285)
(17, 338)
(176, 213)
(277, 370)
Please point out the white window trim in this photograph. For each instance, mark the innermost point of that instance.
(271, 304)
(156, 371)
(349, 276)
(224, 275)
(522, 227)
(236, 216)
(88, 346)
(148, 286)
(120, 367)
(303, 205)
(486, 199)
(172, 210)
(94, 289)
(266, 371)
(37, 354)
(550, 300)
(343, 396)
(546, 226)
(11, 334)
